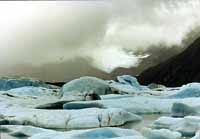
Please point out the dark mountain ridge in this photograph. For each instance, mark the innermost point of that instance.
(177, 70)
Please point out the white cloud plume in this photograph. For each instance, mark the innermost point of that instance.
(109, 58)
(45, 32)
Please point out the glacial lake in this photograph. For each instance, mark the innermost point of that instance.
(146, 122)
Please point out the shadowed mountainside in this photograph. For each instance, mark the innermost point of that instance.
(176, 71)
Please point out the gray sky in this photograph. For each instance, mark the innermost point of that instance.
(106, 34)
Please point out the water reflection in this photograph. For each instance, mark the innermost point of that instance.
(146, 122)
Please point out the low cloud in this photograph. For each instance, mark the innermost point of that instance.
(41, 33)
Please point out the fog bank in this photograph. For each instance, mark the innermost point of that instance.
(107, 35)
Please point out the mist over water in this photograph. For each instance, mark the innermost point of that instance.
(104, 35)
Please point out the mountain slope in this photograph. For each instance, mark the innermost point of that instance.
(178, 70)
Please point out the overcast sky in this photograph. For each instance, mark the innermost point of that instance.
(107, 33)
